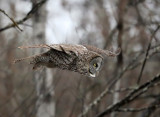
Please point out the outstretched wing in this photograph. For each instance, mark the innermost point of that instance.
(60, 52)
(58, 49)
(67, 48)
(103, 52)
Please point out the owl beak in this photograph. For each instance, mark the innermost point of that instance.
(94, 75)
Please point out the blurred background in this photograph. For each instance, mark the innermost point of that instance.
(131, 25)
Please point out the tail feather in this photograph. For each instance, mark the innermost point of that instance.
(37, 61)
(25, 58)
(21, 59)
(34, 56)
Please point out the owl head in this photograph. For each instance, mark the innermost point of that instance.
(95, 66)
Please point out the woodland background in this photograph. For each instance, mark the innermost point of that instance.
(132, 25)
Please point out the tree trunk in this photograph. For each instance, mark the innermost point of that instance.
(45, 106)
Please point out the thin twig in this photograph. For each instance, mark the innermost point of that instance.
(22, 103)
(14, 23)
(127, 89)
(147, 52)
(29, 14)
(153, 106)
(137, 109)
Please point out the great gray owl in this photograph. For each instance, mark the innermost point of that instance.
(84, 59)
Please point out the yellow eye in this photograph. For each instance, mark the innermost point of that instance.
(95, 65)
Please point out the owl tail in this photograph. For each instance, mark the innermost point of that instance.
(25, 58)
(37, 61)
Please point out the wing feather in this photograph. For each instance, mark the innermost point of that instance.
(67, 48)
(103, 52)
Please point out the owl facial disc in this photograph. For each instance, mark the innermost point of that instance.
(95, 66)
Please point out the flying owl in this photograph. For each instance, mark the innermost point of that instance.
(84, 59)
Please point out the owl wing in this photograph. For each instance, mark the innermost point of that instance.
(103, 52)
(67, 48)
(64, 48)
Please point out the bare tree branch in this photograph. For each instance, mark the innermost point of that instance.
(14, 23)
(125, 69)
(153, 106)
(137, 109)
(147, 52)
(131, 96)
(29, 14)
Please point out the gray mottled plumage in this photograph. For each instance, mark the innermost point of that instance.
(85, 59)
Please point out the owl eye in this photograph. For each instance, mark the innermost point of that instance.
(95, 65)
